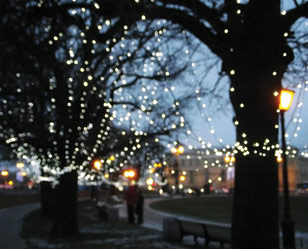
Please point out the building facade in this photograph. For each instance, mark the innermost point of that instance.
(297, 172)
(197, 169)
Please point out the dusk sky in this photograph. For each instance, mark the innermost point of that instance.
(224, 128)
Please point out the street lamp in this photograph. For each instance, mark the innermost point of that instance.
(97, 164)
(20, 165)
(4, 173)
(288, 235)
(182, 178)
(177, 151)
(131, 174)
(229, 159)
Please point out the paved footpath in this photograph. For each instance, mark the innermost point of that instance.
(10, 225)
(152, 219)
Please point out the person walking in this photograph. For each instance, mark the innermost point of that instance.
(94, 194)
(139, 206)
(130, 197)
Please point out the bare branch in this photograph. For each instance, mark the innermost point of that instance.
(188, 22)
(294, 14)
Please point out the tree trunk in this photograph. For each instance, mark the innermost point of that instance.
(255, 210)
(255, 223)
(48, 199)
(65, 224)
(256, 67)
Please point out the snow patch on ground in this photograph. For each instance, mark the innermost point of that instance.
(46, 245)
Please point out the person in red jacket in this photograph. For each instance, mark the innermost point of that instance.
(130, 197)
(139, 206)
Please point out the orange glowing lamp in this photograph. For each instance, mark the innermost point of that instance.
(182, 178)
(229, 159)
(20, 165)
(286, 97)
(181, 149)
(279, 159)
(157, 165)
(177, 150)
(130, 173)
(97, 164)
(4, 173)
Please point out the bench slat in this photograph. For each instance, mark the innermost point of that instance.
(192, 228)
(219, 233)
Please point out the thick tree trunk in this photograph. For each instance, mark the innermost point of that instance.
(65, 224)
(255, 223)
(48, 198)
(255, 211)
(257, 65)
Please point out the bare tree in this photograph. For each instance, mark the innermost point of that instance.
(76, 87)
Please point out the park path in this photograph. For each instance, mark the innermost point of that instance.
(152, 219)
(10, 225)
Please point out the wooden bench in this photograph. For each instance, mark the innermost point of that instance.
(209, 231)
(218, 232)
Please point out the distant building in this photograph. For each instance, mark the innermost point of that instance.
(206, 167)
(297, 172)
(16, 174)
(201, 168)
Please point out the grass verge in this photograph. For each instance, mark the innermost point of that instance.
(219, 209)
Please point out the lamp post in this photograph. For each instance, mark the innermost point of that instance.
(288, 234)
(177, 151)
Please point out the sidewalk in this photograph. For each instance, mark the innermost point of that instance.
(11, 223)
